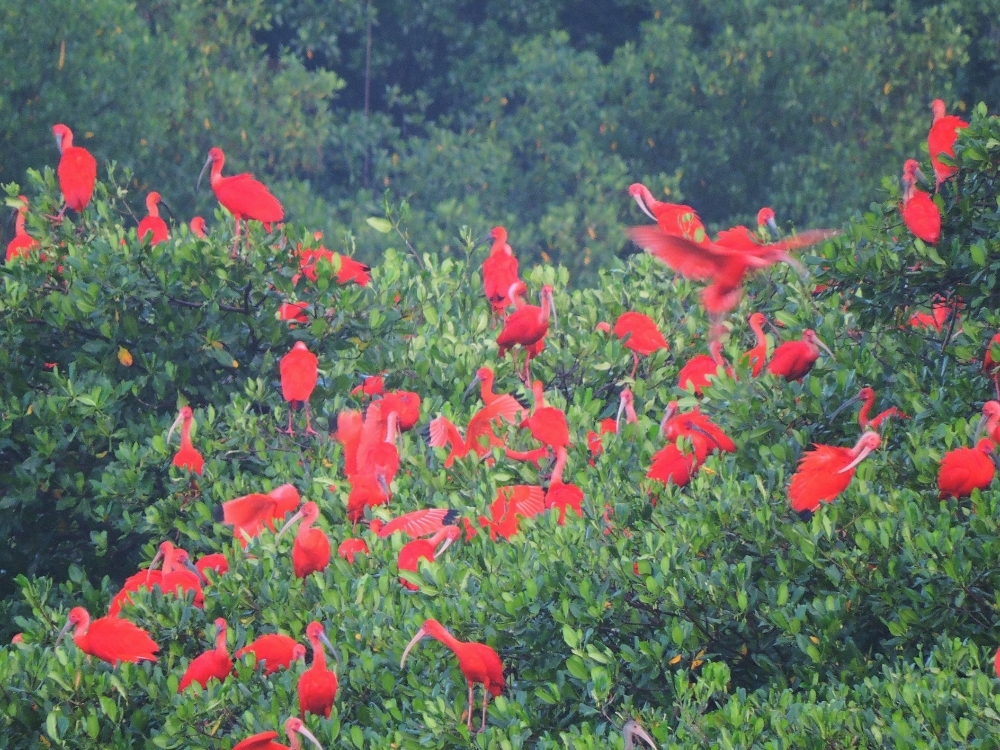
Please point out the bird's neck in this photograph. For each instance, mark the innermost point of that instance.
(186, 434)
(866, 408)
(19, 223)
(220, 641)
(319, 655)
(758, 331)
(216, 174)
(560, 465)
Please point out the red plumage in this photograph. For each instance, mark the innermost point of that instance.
(213, 663)
(419, 523)
(109, 638)
(311, 549)
(920, 214)
(250, 514)
(793, 360)
(153, 224)
(941, 140)
(274, 651)
(318, 685)
(966, 469)
(826, 471)
(23, 243)
(241, 194)
(499, 272)
(77, 170)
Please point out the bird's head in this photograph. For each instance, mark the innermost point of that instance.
(78, 617)
(546, 294)
(308, 513)
(641, 195)
(431, 628)
(298, 652)
(765, 218)
(215, 156)
(295, 726)
(64, 136)
(184, 416)
(810, 336)
(198, 226)
(669, 414)
(938, 108)
(499, 234)
(634, 729)
(316, 633)
(865, 445)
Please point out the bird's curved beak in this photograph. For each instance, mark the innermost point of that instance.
(823, 346)
(772, 227)
(851, 400)
(170, 432)
(309, 736)
(59, 140)
(163, 204)
(642, 205)
(191, 566)
(618, 417)
(413, 642)
(66, 627)
(472, 386)
(447, 543)
(637, 730)
(291, 521)
(208, 163)
(326, 642)
(552, 308)
(920, 176)
(861, 457)
(380, 478)
(156, 558)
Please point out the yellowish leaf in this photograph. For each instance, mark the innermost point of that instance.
(124, 356)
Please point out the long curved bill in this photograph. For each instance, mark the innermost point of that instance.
(772, 225)
(472, 386)
(156, 558)
(635, 729)
(383, 484)
(309, 736)
(413, 642)
(191, 567)
(208, 163)
(66, 627)
(447, 543)
(860, 457)
(851, 400)
(552, 307)
(618, 417)
(297, 517)
(823, 346)
(667, 416)
(170, 432)
(642, 205)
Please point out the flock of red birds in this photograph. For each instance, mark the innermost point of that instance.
(370, 437)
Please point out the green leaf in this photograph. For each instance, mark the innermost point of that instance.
(379, 224)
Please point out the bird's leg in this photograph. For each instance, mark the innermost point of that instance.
(996, 383)
(527, 368)
(635, 364)
(482, 724)
(58, 218)
(309, 429)
(471, 706)
(291, 411)
(236, 239)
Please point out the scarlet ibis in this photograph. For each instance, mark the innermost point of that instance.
(527, 326)
(152, 223)
(499, 272)
(406, 404)
(77, 170)
(672, 218)
(349, 548)
(941, 140)
(626, 405)
(109, 638)
(639, 334)
(368, 490)
(311, 549)
(23, 243)
(561, 495)
(412, 552)
(479, 663)
(274, 651)
(179, 576)
(187, 457)
(991, 363)
(294, 312)
(757, 356)
(511, 504)
(920, 213)
(213, 663)
(793, 360)
(940, 310)
(418, 523)
(265, 740)
(197, 226)
(372, 385)
(547, 424)
(242, 195)
(350, 269)
(484, 379)
(216, 562)
(695, 374)
(317, 685)
(825, 471)
(704, 435)
(250, 514)
(634, 729)
(299, 374)
(142, 580)
(479, 437)
(867, 395)
(963, 470)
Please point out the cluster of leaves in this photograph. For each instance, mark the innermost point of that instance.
(715, 614)
(480, 112)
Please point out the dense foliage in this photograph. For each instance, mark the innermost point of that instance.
(478, 113)
(716, 614)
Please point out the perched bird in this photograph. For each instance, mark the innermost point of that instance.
(704, 435)
(527, 326)
(991, 362)
(213, 663)
(867, 395)
(77, 171)
(547, 424)
(479, 663)
(757, 357)
(152, 223)
(187, 456)
(349, 269)
(274, 651)
(920, 214)
(626, 406)
(349, 548)
(216, 562)
(560, 495)
(638, 333)
(241, 195)
(793, 360)
(941, 140)
(511, 504)
(197, 226)
(499, 273)
(265, 740)
(109, 638)
(406, 404)
(479, 437)
(427, 549)
(963, 470)
(317, 685)
(825, 471)
(299, 375)
(311, 549)
(251, 514)
(634, 729)
(672, 218)
(178, 576)
(695, 374)
(23, 243)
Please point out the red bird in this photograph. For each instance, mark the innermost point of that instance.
(317, 685)
(241, 195)
(991, 364)
(299, 373)
(793, 360)
(825, 472)
(179, 576)
(941, 140)
(144, 579)
(757, 356)
(499, 272)
(215, 562)
(561, 495)
(250, 514)
(704, 435)
(479, 663)
(626, 405)
(527, 326)
(293, 312)
(484, 379)
(153, 223)
(695, 374)
(418, 523)
(966, 469)
(265, 740)
(480, 437)
(512, 503)
(547, 423)
(77, 171)
(350, 269)
(311, 549)
(23, 243)
(197, 226)
(109, 638)
(638, 333)
(867, 395)
(351, 547)
(187, 457)
(427, 549)
(920, 213)
(406, 404)
(372, 385)
(274, 651)
(213, 663)
(672, 218)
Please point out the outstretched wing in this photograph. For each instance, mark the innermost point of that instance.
(419, 523)
(688, 258)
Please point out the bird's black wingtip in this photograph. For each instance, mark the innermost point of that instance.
(217, 514)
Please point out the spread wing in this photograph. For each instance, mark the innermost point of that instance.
(419, 522)
(688, 258)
